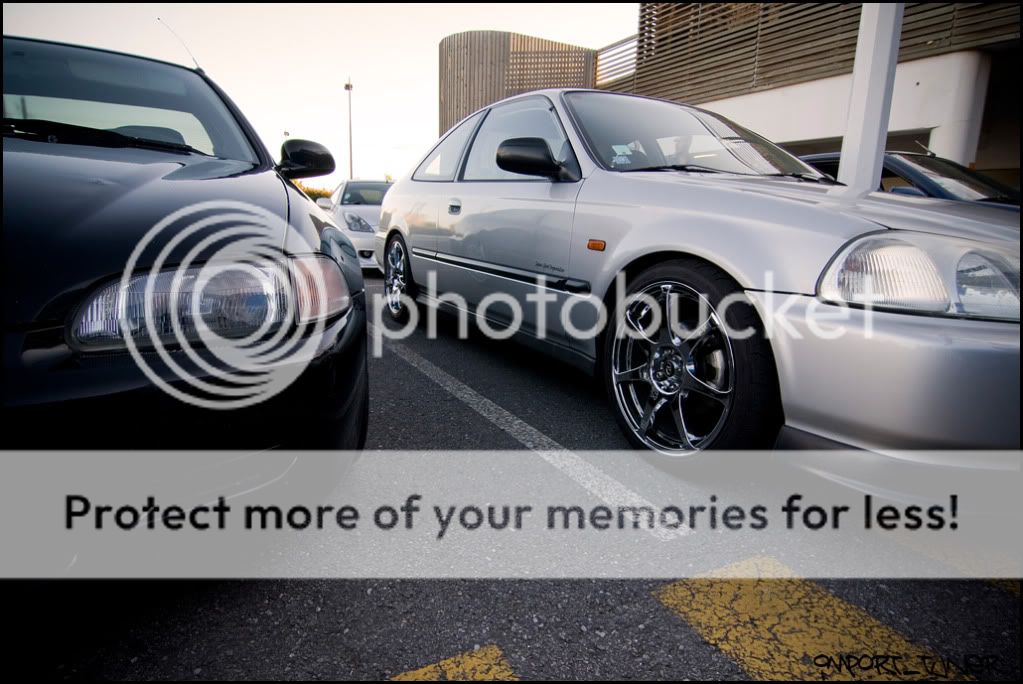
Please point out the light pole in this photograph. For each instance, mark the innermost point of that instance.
(348, 87)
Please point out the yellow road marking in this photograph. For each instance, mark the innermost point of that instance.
(776, 629)
(484, 664)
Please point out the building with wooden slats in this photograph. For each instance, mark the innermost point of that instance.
(478, 68)
(698, 52)
(782, 69)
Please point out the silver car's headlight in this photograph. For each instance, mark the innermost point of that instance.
(227, 301)
(925, 273)
(357, 223)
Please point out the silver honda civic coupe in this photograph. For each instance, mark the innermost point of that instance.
(729, 295)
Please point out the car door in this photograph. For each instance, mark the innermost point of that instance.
(429, 190)
(500, 233)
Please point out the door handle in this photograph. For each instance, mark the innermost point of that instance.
(454, 206)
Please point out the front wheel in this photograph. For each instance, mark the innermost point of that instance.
(398, 284)
(695, 383)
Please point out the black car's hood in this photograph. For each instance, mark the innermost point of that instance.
(73, 215)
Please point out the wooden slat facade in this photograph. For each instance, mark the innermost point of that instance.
(697, 52)
(478, 68)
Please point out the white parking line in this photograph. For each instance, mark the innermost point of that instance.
(584, 474)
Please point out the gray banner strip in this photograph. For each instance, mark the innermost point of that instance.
(513, 514)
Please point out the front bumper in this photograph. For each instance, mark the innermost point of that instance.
(894, 381)
(365, 244)
(104, 401)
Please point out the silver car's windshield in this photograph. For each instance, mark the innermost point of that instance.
(960, 182)
(633, 133)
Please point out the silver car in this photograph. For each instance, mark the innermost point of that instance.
(355, 205)
(729, 295)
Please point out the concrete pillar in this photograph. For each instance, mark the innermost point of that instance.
(957, 135)
(877, 53)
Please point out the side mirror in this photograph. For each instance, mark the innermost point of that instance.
(908, 190)
(324, 203)
(532, 157)
(304, 159)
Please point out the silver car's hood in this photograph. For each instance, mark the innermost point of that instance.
(968, 220)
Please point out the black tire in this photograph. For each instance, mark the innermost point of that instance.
(752, 416)
(397, 306)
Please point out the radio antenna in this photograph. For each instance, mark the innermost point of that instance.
(928, 150)
(183, 44)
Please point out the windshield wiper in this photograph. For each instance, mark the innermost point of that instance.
(804, 176)
(57, 132)
(676, 167)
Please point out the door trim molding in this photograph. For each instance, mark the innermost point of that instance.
(571, 286)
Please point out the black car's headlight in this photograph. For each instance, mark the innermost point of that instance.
(221, 300)
(357, 223)
(923, 273)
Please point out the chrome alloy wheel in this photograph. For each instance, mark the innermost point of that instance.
(673, 382)
(395, 278)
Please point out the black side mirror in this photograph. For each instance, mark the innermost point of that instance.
(304, 159)
(532, 157)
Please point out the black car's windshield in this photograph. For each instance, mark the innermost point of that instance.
(958, 181)
(361, 192)
(634, 133)
(51, 88)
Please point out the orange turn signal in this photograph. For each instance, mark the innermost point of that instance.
(596, 245)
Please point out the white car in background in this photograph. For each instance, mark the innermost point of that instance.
(355, 205)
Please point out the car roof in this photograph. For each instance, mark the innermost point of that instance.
(554, 92)
(103, 50)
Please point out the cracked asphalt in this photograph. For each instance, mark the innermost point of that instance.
(527, 629)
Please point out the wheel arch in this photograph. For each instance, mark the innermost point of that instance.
(641, 263)
(645, 261)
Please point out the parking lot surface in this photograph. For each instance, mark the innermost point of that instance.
(480, 394)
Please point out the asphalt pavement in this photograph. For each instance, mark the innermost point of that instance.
(427, 394)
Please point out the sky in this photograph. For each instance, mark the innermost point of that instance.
(285, 65)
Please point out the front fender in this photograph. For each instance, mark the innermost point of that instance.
(761, 241)
(310, 229)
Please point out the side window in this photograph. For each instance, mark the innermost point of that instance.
(442, 163)
(530, 118)
(335, 196)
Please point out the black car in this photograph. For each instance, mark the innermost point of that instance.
(927, 175)
(130, 185)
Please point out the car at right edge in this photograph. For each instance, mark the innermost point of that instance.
(728, 294)
(928, 175)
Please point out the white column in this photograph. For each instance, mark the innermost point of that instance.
(877, 53)
(957, 135)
